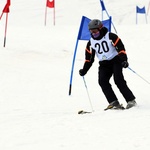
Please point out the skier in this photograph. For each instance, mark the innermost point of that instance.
(112, 59)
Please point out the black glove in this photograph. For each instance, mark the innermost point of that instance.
(82, 72)
(125, 64)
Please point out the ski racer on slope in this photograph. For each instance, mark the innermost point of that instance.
(112, 59)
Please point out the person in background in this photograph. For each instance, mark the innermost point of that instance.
(110, 50)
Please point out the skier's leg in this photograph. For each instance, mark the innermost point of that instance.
(104, 77)
(121, 83)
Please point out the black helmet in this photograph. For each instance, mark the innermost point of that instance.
(95, 24)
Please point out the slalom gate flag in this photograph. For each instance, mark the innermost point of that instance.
(102, 5)
(84, 33)
(50, 3)
(104, 9)
(6, 8)
(140, 10)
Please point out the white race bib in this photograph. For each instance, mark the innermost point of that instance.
(104, 48)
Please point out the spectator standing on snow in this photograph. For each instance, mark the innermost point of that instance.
(112, 59)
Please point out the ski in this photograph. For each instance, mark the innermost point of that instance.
(108, 108)
(115, 108)
(84, 112)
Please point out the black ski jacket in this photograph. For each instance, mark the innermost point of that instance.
(90, 53)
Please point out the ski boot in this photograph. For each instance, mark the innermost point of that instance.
(114, 105)
(131, 104)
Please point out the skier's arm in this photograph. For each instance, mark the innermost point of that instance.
(89, 59)
(117, 43)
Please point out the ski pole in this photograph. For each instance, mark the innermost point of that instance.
(139, 75)
(88, 94)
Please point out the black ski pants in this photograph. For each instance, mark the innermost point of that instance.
(107, 69)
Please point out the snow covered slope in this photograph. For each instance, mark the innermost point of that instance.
(36, 112)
